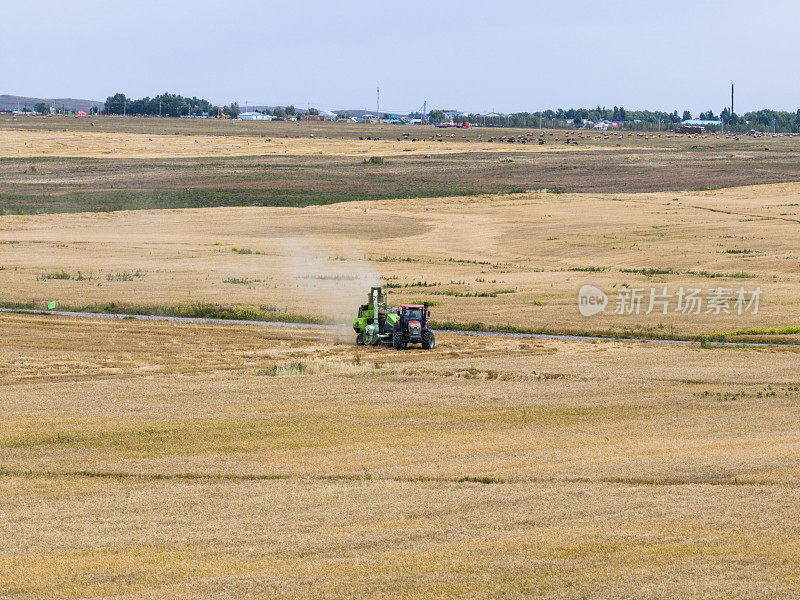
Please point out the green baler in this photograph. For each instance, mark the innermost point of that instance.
(375, 321)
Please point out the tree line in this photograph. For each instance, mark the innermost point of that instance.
(175, 105)
(167, 105)
(765, 119)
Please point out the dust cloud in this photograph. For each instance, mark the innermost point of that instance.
(334, 285)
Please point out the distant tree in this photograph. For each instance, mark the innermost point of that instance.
(42, 107)
(578, 121)
(232, 111)
(313, 111)
(686, 115)
(115, 105)
(290, 110)
(436, 116)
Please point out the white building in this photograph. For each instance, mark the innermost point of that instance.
(254, 116)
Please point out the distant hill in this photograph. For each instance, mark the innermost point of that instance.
(8, 102)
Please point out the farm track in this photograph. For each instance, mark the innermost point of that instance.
(493, 334)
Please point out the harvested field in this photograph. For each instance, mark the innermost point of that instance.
(34, 144)
(153, 459)
(70, 165)
(512, 260)
(146, 459)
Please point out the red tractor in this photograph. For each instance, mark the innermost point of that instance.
(413, 327)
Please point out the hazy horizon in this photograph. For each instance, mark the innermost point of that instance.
(514, 56)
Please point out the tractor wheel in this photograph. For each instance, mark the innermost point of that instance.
(360, 339)
(397, 340)
(376, 341)
(428, 341)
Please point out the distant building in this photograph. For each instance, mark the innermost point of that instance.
(452, 114)
(254, 116)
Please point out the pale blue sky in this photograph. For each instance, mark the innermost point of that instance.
(504, 55)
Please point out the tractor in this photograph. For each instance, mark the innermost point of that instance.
(378, 323)
(413, 326)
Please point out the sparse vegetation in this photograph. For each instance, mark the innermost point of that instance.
(62, 275)
(126, 276)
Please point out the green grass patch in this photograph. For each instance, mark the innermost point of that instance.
(460, 294)
(54, 275)
(649, 272)
(587, 269)
(194, 310)
(126, 276)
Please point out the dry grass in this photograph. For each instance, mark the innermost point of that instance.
(152, 459)
(44, 144)
(538, 246)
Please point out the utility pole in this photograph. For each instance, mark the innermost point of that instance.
(159, 108)
(731, 98)
(124, 108)
(379, 105)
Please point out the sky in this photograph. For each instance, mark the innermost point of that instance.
(501, 55)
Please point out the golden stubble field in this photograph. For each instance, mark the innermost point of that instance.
(46, 144)
(159, 460)
(151, 459)
(515, 260)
